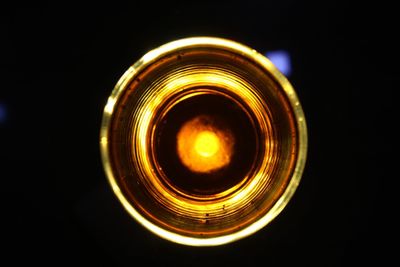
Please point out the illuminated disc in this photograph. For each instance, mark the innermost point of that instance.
(203, 141)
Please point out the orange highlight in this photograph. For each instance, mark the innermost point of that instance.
(202, 147)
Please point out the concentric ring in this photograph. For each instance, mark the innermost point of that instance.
(186, 69)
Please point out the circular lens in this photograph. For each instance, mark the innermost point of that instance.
(203, 141)
(206, 143)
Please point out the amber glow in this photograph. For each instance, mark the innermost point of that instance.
(188, 68)
(202, 147)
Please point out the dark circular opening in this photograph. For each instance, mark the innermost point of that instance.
(238, 136)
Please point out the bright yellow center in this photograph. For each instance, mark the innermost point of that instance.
(202, 147)
(206, 144)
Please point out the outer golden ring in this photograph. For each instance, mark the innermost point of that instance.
(245, 51)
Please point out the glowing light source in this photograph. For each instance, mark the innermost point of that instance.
(202, 147)
(281, 60)
(206, 144)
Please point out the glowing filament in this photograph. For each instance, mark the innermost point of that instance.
(207, 144)
(202, 147)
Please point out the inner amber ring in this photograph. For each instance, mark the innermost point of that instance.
(214, 139)
(203, 141)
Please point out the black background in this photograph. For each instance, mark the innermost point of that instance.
(60, 62)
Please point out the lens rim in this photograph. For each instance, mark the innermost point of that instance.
(246, 52)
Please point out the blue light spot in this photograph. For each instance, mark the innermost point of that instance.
(3, 113)
(281, 60)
